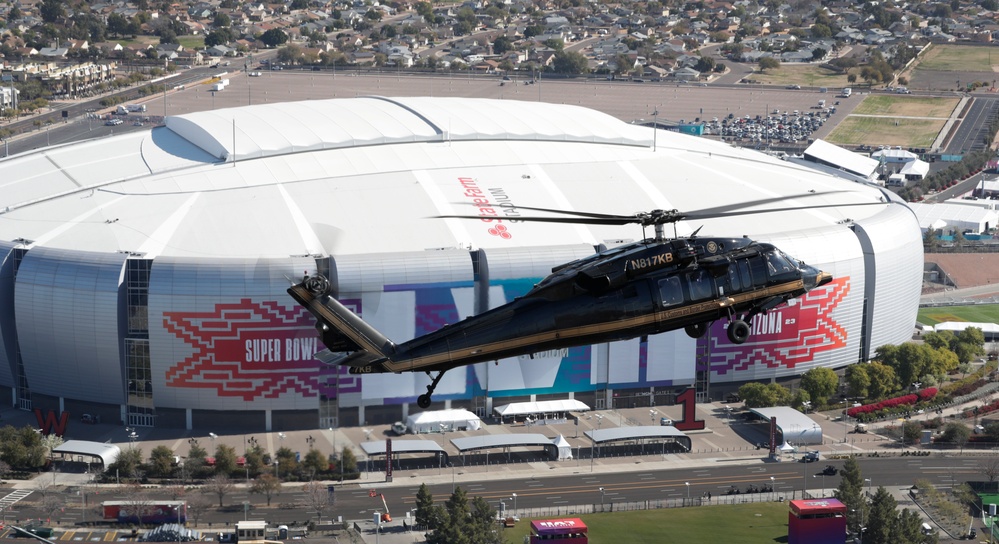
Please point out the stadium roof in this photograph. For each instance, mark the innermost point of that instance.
(311, 178)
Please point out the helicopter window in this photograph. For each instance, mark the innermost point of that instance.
(759, 270)
(778, 266)
(733, 279)
(670, 291)
(701, 285)
(746, 282)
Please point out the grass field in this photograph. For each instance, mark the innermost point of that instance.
(806, 74)
(907, 106)
(191, 42)
(757, 523)
(855, 130)
(979, 313)
(958, 58)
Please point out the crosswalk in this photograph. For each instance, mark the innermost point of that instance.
(14, 496)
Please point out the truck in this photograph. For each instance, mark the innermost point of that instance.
(138, 512)
(219, 85)
(121, 110)
(860, 428)
(847, 92)
(137, 107)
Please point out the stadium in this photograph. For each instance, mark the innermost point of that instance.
(144, 275)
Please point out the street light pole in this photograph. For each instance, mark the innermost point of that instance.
(601, 499)
(514, 505)
(773, 488)
(688, 490)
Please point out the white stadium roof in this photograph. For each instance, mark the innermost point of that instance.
(364, 175)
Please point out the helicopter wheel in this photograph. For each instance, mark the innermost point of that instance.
(696, 330)
(318, 285)
(423, 401)
(738, 331)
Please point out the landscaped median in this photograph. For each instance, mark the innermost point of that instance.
(891, 406)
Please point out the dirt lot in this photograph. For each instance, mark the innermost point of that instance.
(953, 67)
(907, 106)
(809, 75)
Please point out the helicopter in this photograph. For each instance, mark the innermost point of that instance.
(637, 289)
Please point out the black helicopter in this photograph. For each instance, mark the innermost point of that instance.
(642, 288)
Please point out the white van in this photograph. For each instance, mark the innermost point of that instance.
(847, 92)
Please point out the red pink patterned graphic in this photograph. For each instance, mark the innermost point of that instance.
(784, 337)
(250, 350)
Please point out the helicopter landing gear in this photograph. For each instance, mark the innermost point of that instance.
(696, 330)
(423, 401)
(738, 331)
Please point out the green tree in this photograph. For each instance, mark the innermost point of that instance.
(426, 515)
(52, 11)
(882, 521)
(314, 463)
(274, 37)
(225, 459)
(128, 463)
(221, 20)
(768, 63)
(883, 380)
(911, 432)
(758, 395)
(348, 461)
(850, 492)
(821, 383)
(956, 433)
(858, 381)
(570, 62)
(22, 448)
(219, 36)
(287, 463)
(161, 461)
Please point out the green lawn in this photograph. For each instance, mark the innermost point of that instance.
(958, 58)
(191, 42)
(756, 523)
(856, 130)
(981, 313)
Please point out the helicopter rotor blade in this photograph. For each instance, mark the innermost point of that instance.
(661, 217)
(774, 210)
(611, 220)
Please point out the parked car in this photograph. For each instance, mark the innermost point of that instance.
(830, 470)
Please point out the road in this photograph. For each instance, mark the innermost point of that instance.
(571, 491)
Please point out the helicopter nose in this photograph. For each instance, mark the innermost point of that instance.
(818, 278)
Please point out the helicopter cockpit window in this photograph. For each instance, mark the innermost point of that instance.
(670, 291)
(735, 285)
(778, 266)
(701, 285)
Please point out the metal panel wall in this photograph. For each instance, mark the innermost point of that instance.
(405, 295)
(823, 328)
(893, 249)
(68, 313)
(225, 335)
(8, 332)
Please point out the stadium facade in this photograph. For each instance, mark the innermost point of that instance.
(144, 275)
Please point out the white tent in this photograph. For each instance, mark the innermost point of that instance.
(541, 408)
(788, 448)
(443, 420)
(563, 447)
